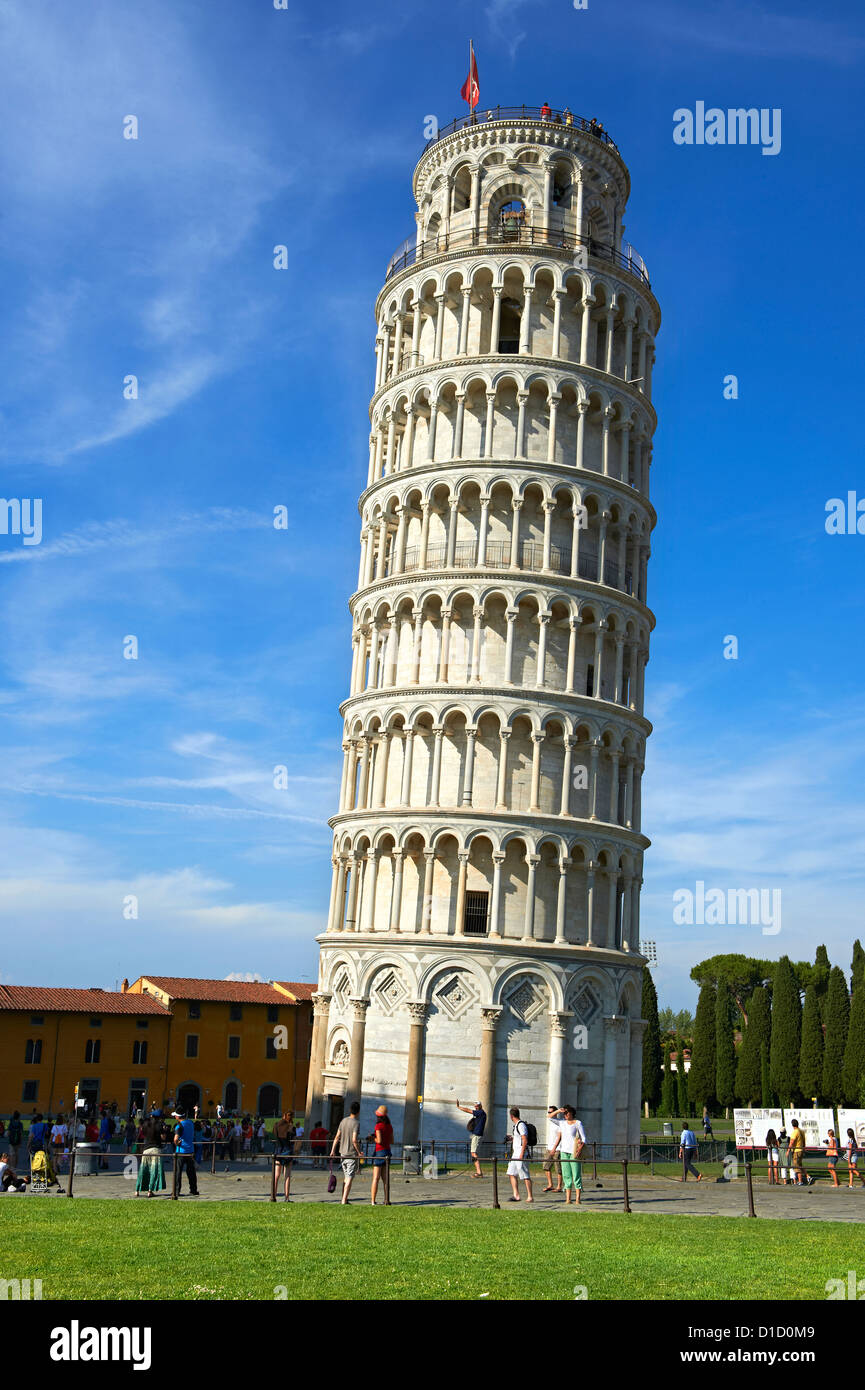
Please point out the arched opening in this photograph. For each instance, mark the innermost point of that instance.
(268, 1101)
(512, 219)
(188, 1096)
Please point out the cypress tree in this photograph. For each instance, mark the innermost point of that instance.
(703, 1066)
(853, 1070)
(765, 1083)
(651, 1042)
(837, 1014)
(820, 979)
(681, 1078)
(811, 1056)
(668, 1086)
(725, 1050)
(857, 966)
(749, 1086)
(786, 1034)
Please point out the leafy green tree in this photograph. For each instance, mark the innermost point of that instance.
(725, 1050)
(853, 1070)
(739, 974)
(786, 1036)
(668, 1085)
(820, 980)
(811, 1055)
(681, 1080)
(651, 1043)
(748, 1079)
(837, 1014)
(857, 965)
(702, 1076)
(766, 1096)
(679, 1021)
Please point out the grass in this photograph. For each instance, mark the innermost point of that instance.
(107, 1249)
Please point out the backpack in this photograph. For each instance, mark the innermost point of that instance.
(532, 1134)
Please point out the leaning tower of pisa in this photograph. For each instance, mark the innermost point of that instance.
(483, 934)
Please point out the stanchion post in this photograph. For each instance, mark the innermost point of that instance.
(495, 1183)
(174, 1177)
(213, 1155)
(387, 1181)
(594, 1160)
(71, 1169)
(272, 1178)
(627, 1204)
(750, 1182)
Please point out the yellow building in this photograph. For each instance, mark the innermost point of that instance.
(114, 1046)
(194, 1042)
(243, 1044)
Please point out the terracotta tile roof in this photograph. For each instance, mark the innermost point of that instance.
(44, 999)
(299, 988)
(218, 991)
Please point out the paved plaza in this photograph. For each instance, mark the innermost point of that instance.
(458, 1187)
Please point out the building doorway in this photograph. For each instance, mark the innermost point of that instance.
(188, 1096)
(137, 1097)
(269, 1101)
(337, 1110)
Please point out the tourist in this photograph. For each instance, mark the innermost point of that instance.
(782, 1150)
(383, 1133)
(707, 1125)
(852, 1153)
(184, 1136)
(569, 120)
(796, 1153)
(772, 1155)
(545, 111)
(129, 1133)
(91, 1131)
(687, 1153)
(318, 1144)
(59, 1131)
(350, 1153)
(553, 1157)
(14, 1137)
(151, 1175)
(247, 1132)
(518, 1167)
(284, 1133)
(476, 1126)
(106, 1130)
(197, 1137)
(261, 1137)
(571, 1140)
(8, 1176)
(832, 1157)
(38, 1135)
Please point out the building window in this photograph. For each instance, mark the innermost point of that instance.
(92, 1049)
(139, 1054)
(272, 1013)
(33, 1051)
(36, 1019)
(270, 1049)
(233, 1045)
(141, 1023)
(30, 1091)
(192, 1044)
(477, 912)
(590, 679)
(193, 1011)
(235, 1012)
(96, 1023)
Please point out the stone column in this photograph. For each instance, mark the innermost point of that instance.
(468, 780)
(407, 438)
(501, 785)
(482, 533)
(584, 332)
(606, 422)
(457, 447)
(599, 654)
(464, 321)
(396, 896)
(520, 446)
(635, 1078)
(444, 653)
(593, 780)
(487, 1078)
(351, 904)
(629, 347)
(426, 906)
(526, 322)
(411, 1123)
(555, 1075)
(380, 788)
(459, 924)
(629, 794)
(543, 624)
(613, 1026)
(369, 885)
(399, 560)
(416, 325)
(334, 881)
(534, 795)
(417, 641)
(477, 614)
(424, 535)
(433, 421)
(614, 786)
(315, 1084)
(497, 318)
(620, 653)
(561, 903)
(354, 1085)
(573, 624)
(582, 412)
(532, 860)
(551, 437)
(565, 807)
(511, 616)
(495, 906)
(438, 731)
(490, 424)
(590, 903)
(440, 325)
(558, 296)
(408, 749)
(339, 903)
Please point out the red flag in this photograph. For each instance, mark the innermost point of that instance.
(470, 91)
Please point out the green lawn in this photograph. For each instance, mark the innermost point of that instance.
(118, 1249)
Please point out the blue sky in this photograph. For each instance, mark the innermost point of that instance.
(154, 257)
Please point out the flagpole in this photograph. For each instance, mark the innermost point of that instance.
(471, 55)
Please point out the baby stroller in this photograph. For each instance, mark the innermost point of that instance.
(41, 1173)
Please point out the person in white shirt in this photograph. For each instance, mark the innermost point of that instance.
(518, 1167)
(59, 1132)
(571, 1142)
(553, 1159)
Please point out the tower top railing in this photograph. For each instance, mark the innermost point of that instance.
(555, 238)
(552, 116)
